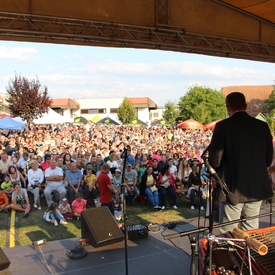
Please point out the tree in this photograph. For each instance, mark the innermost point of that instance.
(202, 104)
(171, 112)
(126, 111)
(27, 99)
(270, 102)
(270, 120)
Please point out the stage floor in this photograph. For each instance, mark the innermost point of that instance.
(146, 255)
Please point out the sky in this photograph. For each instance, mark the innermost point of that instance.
(97, 72)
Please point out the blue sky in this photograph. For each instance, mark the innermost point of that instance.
(97, 72)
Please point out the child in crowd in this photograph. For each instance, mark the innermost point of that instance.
(90, 188)
(117, 197)
(7, 186)
(78, 205)
(52, 213)
(65, 209)
(116, 181)
(4, 201)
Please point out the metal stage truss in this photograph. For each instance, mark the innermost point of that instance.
(49, 29)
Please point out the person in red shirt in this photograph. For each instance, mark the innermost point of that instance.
(106, 188)
(4, 201)
(46, 164)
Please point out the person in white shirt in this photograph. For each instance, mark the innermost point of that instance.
(35, 180)
(23, 160)
(173, 168)
(54, 180)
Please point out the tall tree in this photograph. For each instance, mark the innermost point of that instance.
(270, 120)
(27, 98)
(171, 112)
(126, 111)
(202, 104)
(270, 102)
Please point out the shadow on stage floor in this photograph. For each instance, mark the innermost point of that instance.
(147, 255)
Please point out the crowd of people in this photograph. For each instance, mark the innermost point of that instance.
(67, 160)
(75, 167)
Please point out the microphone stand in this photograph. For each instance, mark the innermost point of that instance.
(122, 192)
(203, 229)
(193, 241)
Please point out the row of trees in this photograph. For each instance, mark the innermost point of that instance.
(202, 104)
(28, 99)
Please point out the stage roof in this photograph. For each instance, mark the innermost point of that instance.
(231, 28)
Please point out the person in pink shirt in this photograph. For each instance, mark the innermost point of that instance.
(78, 205)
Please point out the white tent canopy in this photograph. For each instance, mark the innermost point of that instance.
(52, 117)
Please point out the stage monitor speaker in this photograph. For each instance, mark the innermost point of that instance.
(4, 261)
(99, 227)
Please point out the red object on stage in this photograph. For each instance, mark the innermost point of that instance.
(261, 265)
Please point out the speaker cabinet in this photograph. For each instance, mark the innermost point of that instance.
(4, 261)
(99, 227)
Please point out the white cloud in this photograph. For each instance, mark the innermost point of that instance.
(73, 56)
(175, 69)
(22, 54)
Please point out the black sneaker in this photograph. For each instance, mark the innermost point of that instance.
(26, 215)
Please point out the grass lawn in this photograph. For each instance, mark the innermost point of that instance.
(35, 228)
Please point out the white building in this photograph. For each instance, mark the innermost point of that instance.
(102, 107)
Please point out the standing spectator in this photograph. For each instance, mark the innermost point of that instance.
(54, 180)
(74, 178)
(106, 188)
(240, 151)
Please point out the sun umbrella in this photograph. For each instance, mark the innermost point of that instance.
(160, 122)
(95, 118)
(80, 120)
(190, 124)
(212, 124)
(138, 122)
(107, 121)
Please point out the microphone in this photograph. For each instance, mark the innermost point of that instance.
(230, 196)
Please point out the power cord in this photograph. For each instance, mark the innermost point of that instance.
(79, 252)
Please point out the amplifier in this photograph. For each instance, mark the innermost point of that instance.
(135, 231)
